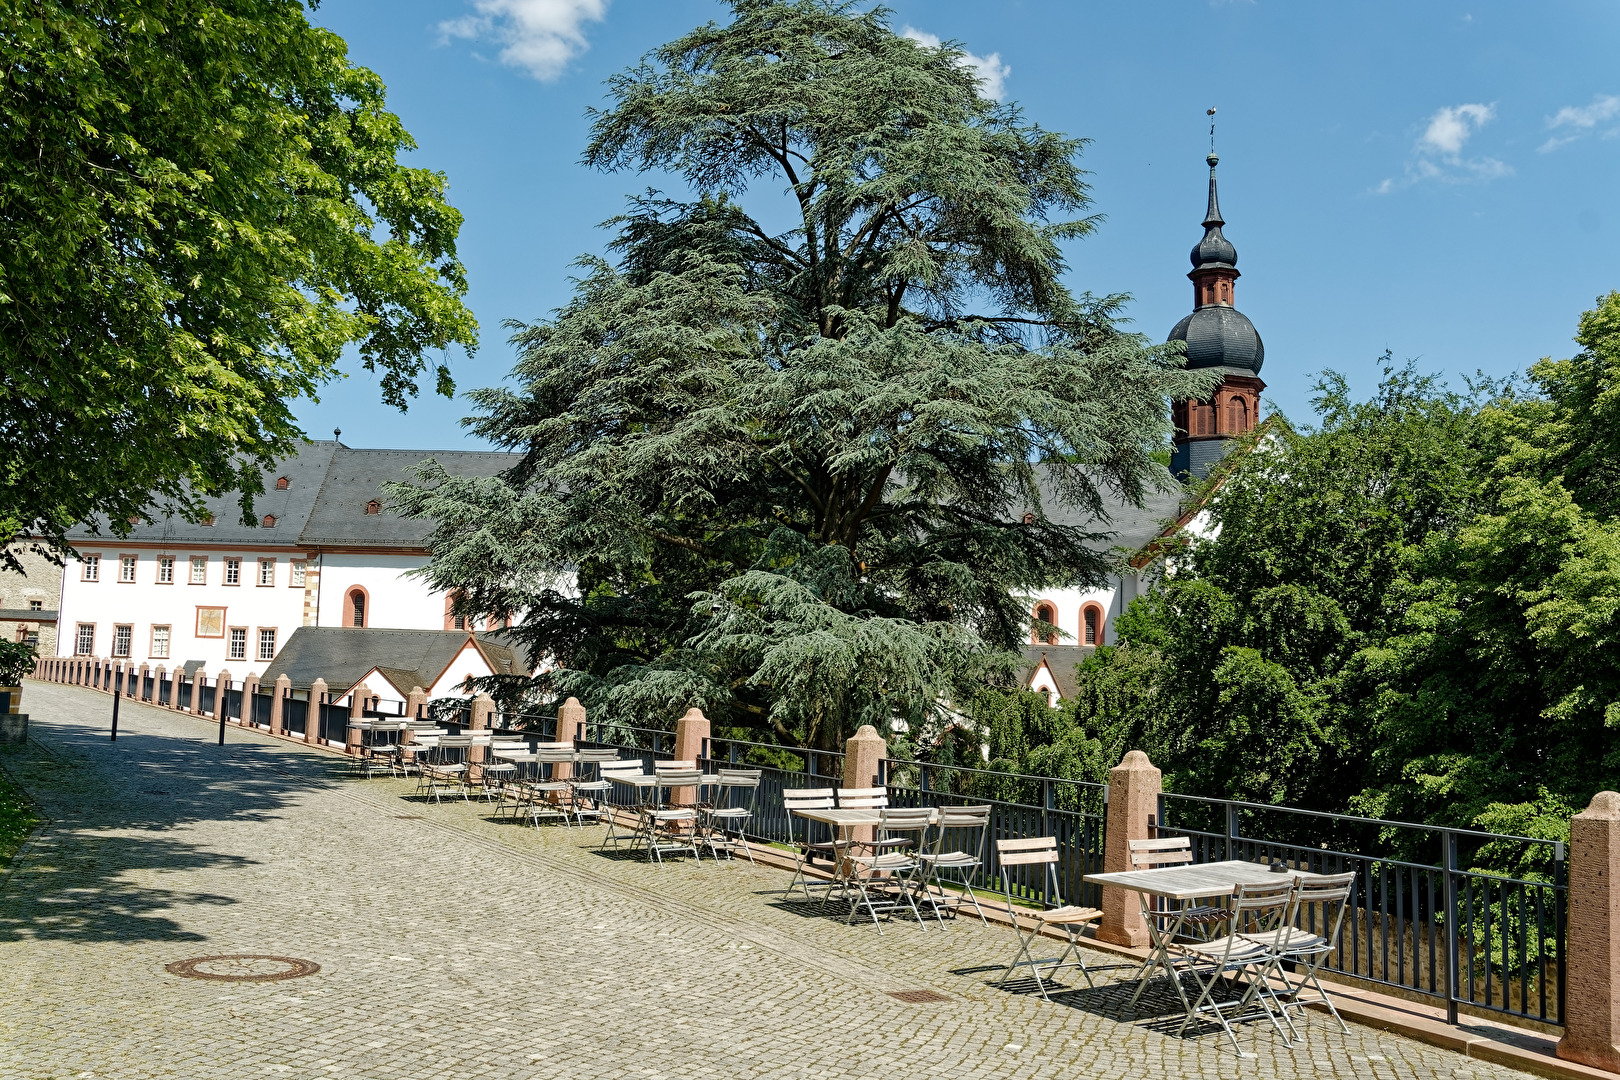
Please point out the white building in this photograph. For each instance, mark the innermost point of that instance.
(325, 551)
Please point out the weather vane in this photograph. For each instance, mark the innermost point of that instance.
(1211, 114)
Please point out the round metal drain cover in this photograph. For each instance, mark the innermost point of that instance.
(243, 967)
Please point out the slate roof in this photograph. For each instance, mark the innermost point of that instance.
(343, 655)
(329, 485)
(1061, 659)
(1127, 526)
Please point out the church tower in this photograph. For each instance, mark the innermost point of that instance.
(1218, 336)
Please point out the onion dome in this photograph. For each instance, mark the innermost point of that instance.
(1214, 250)
(1220, 336)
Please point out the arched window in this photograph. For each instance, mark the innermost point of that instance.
(1091, 625)
(357, 607)
(1237, 414)
(1045, 613)
(452, 621)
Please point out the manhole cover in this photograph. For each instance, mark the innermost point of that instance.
(918, 997)
(243, 967)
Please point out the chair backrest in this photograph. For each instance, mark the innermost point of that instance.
(677, 766)
(620, 768)
(1165, 851)
(679, 777)
(873, 798)
(740, 777)
(964, 817)
(600, 756)
(550, 755)
(956, 820)
(893, 819)
(1320, 903)
(1260, 907)
(807, 799)
(1041, 851)
(557, 746)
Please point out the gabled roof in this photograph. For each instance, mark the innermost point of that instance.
(343, 655)
(1060, 660)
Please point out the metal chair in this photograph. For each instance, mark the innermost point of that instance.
(447, 771)
(1326, 898)
(806, 850)
(1042, 851)
(969, 823)
(590, 788)
(549, 796)
(606, 772)
(899, 888)
(665, 827)
(1258, 912)
(1174, 851)
(726, 821)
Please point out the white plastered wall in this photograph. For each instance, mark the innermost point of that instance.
(394, 601)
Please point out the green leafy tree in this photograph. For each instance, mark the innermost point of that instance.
(784, 474)
(202, 207)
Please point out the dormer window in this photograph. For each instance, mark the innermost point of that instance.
(1029, 519)
(374, 507)
(282, 483)
(269, 521)
(208, 520)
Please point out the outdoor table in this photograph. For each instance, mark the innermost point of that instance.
(846, 821)
(1197, 881)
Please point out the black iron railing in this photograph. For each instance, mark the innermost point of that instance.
(1425, 916)
(780, 768)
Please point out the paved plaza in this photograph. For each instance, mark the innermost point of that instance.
(452, 946)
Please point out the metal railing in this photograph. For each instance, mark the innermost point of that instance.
(1022, 807)
(1444, 928)
(780, 768)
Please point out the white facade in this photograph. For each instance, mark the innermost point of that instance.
(468, 663)
(245, 605)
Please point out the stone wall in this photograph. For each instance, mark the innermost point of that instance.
(41, 584)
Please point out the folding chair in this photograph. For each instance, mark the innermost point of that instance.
(965, 822)
(806, 849)
(727, 823)
(870, 799)
(1042, 851)
(1259, 912)
(548, 796)
(590, 789)
(448, 770)
(1173, 851)
(899, 887)
(1326, 898)
(500, 777)
(605, 773)
(671, 828)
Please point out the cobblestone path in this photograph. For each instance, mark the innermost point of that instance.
(451, 946)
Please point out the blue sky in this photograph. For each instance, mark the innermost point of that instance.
(1433, 178)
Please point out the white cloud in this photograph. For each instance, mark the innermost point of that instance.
(1450, 128)
(540, 36)
(1438, 153)
(1574, 121)
(991, 71)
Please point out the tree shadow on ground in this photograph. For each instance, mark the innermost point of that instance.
(94, 872)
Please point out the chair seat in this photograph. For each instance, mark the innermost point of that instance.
(889, 861)
(1235, 951)
(951, 860)
(732, 812)
(1069, 915)
(549, 785)
(1198, 916)
(1290, 940)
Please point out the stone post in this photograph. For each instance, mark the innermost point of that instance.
(413, 705)
(282, 689)
(483, 707)
(571, 722)
(222, 686)
(691, 737)
(1133, 797)
(312, 723)
(197, 679)
(141, 677)
(250, 691)
(863, 763)
(358, 697)
(1592, 972)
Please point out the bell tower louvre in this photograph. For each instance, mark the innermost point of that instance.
(1218, 336)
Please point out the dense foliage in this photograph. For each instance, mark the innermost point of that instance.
(783, 475)
(201, 207)
(1411, 611)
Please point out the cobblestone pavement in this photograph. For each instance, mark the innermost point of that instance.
(452, 946)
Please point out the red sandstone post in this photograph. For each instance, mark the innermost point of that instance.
(863, 756)
(1133, 796)
(691, 733)
(197, 680)
(413, 708)
(1592, 978)
(250, 690)
(140, 686)
(282, 689)
(483, 707)
(571, 722)
(312, 721)
(357, 713)
(222, 687)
